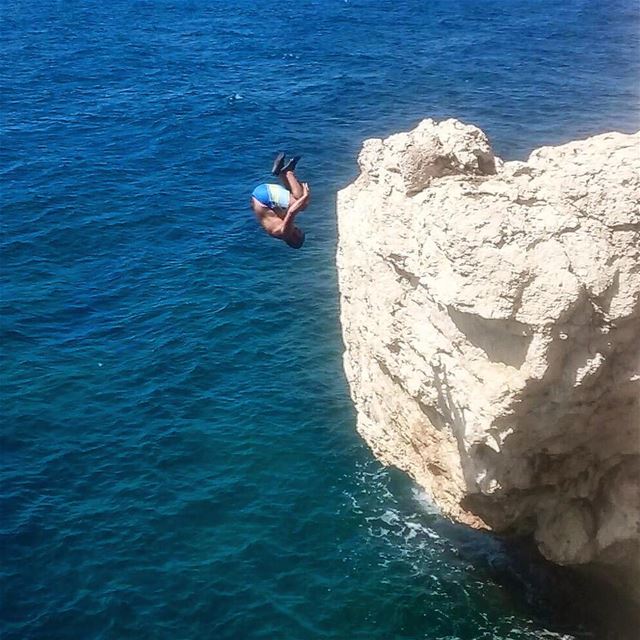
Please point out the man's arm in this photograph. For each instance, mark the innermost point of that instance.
(294, 209)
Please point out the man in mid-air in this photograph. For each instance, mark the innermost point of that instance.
(276, 207)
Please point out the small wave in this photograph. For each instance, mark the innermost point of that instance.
(235, 97)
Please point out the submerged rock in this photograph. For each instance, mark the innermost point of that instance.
(491, 319)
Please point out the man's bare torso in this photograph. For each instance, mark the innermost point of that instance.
(269, 219)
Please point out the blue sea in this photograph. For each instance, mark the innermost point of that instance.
(178, 445)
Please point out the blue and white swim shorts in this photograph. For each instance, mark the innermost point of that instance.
(272, 195)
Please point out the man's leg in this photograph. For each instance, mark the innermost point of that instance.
(291, 183)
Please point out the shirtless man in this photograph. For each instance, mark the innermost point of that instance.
(276, 207)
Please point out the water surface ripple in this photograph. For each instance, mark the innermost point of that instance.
(179, 457)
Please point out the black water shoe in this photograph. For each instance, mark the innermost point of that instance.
(278, 163)
(291, 165)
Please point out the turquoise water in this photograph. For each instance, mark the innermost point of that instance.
(179, 456)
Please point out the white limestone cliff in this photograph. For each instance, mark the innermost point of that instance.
(491, 320)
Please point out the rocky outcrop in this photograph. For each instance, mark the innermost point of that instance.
(491, 319)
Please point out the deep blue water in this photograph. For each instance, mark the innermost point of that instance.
(179, 456)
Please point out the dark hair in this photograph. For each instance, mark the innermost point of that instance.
(296, 240)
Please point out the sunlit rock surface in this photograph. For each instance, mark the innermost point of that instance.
(491, 320)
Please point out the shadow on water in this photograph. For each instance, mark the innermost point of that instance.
(560, 598)
(565, 601)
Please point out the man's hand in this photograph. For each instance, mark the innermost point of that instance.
(302, 201)
(299, 204)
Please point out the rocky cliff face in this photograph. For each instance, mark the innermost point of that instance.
(491, 319)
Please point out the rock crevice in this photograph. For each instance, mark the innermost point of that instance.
(491, 320)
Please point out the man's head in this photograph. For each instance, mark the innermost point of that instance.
(295, 239)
